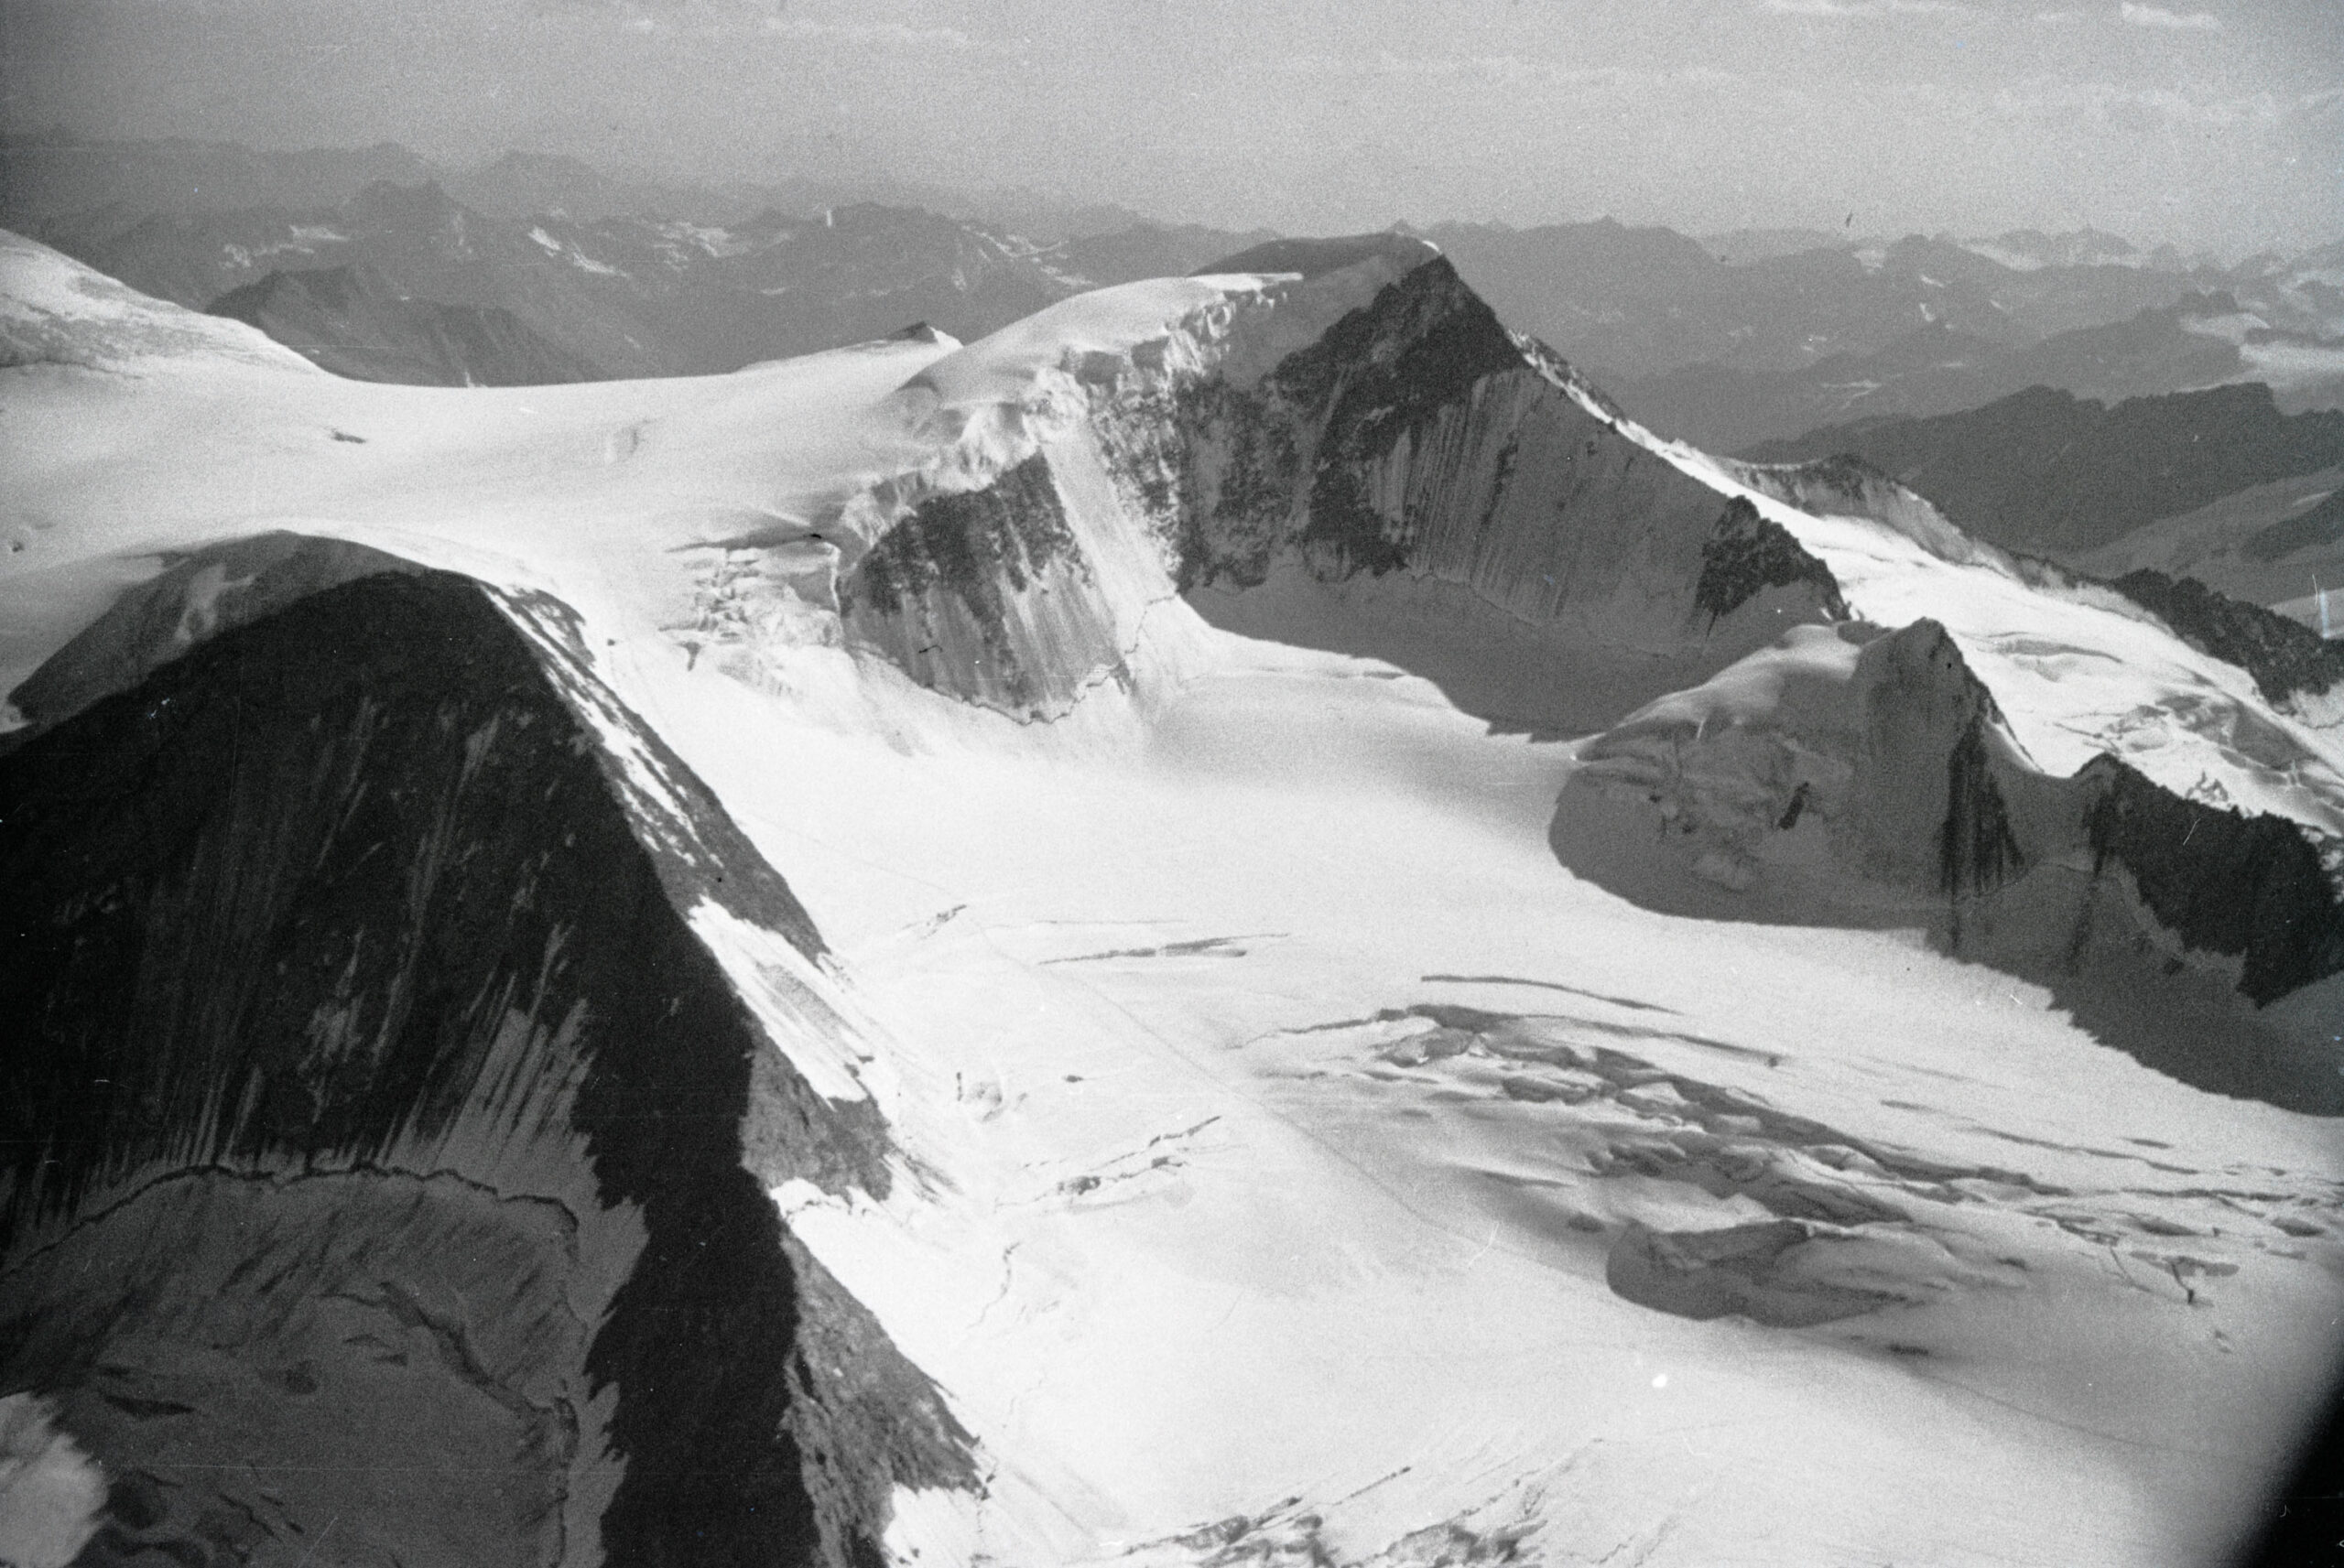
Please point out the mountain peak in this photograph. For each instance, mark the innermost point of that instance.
(1311, 258)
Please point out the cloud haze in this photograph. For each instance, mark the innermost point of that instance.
(2213, 128)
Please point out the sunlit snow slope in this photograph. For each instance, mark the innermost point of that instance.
(1398, 971)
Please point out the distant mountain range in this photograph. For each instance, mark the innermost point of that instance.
(347, 319)
(2200, 340)
(1639, 301)
(2219, 484)
(1737, 338)
(45, 177)
(629, 296)
(1728, 354)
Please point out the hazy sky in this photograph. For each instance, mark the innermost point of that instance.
(2212, 123)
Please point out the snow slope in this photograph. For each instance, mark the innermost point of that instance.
(1295, 1163)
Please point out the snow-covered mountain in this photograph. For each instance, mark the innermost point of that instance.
(1236, 925)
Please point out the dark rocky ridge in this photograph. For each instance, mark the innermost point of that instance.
(374, 1111)
(1410, 421)
(1379, 374)
(1481, 475)
(196, 597)
(1747, 554)
(2285, 657)
(2248, 887)
(2227, 883)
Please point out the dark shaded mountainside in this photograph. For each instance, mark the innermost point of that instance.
(2045, 472)
(347, 319)
(374, 1116)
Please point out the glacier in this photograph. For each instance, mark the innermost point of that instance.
(1237, 924)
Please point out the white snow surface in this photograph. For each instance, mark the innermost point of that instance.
(55, 310)
(2077, 671)
(1221, 1253)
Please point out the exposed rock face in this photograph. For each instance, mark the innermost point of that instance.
(1883, 745)
(1424, 438)
(986, 591)
(1412, 438)
(378, 1117)
(1924, 787)
(1881, 784)
(2245, 887)
(1747, 554)
(2288, 660)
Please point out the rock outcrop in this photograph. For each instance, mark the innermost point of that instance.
(377, 1115)
(1870, 778)
(2292, 665)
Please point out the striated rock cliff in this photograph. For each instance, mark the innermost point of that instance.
(986, 591)
(379, 1117)
(1368, 419)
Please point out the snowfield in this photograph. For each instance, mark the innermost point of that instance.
(1295, 1161)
